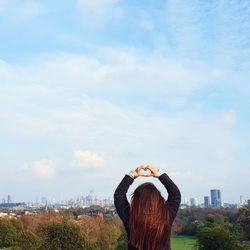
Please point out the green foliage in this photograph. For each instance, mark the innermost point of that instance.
(8, 232)
(12, 234)
(65, 235)
(28, 241)
(219, 237)
(75, 214)
(215, 230)
(192, 228)
(212, 219)
(244, 220)
(122, 243)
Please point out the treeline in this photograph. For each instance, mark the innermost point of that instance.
(224, 229)
(52, 231)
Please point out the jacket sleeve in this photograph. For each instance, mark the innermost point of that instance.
(121, 201)
(174, 195)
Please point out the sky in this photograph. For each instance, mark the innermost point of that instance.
(92, 89)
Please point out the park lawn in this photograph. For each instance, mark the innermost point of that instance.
(182, 243)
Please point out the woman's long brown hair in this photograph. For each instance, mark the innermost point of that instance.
(149, 222)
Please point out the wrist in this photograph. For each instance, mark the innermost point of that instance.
(132, 174)
(158, 174)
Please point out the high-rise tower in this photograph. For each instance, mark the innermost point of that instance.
(215, 198)
(206, 201)
(9, 199)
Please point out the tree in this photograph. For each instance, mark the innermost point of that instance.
(122, 242)
(28, 241)
(9, 232)
(34, 222)
(65, 235)
(219, 237)
(244, 220)
(101, 234)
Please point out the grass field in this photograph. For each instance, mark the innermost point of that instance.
(183, 243)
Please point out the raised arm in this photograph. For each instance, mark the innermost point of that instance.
(120, 198)
(174, 195)
(120, 195)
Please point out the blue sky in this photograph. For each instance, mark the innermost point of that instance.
(91, 89)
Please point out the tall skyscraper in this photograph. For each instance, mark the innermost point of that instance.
(215, 198)
(9, 199)
(241, 200)
(206, 201)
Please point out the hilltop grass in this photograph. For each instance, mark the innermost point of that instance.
(183, 243)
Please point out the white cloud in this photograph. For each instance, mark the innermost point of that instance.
(43, 169)
(75, 101)
(117, 73)
(87, 158)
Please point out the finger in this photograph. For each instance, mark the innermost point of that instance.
(140, 174)
(149, 168)
(138, 169)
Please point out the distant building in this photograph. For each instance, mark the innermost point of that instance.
(206, 201)
(193, 202)
(44, 200)
(12, 205)
(230, 205)
(9, 199)
(196, 201)
(248, 203)
(185, 201)
(215, 198)
(241, 200)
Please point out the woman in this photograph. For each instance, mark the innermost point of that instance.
(149, 218)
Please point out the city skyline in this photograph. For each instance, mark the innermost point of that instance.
(92, 89)
(213, 201)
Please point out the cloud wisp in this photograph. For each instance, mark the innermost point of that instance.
(87, 159)
(42, 169)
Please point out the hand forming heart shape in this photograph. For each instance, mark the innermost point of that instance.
(152, 171)
(143, 171)
(146, 172)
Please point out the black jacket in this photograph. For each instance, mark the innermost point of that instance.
(122, 204)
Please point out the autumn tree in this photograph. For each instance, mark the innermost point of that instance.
(65, 235)
(33, 222)
(101, 233)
